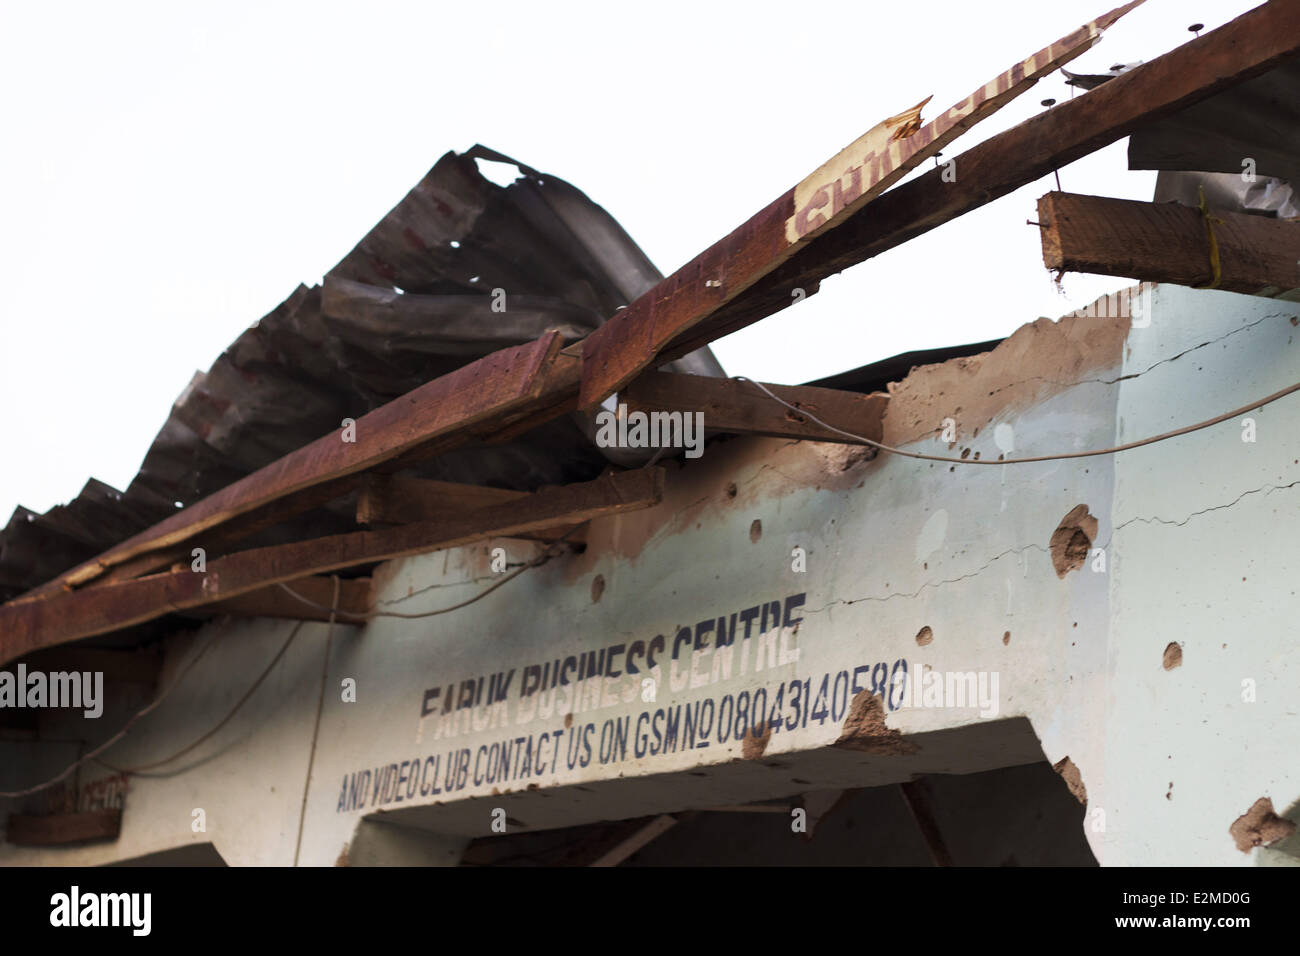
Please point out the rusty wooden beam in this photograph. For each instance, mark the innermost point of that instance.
(1167, 242)
(740, 407)
(633, 340)
(60, 828)
(442, 411)
(67, 616)
(1242, 49)
(397, 499)
(353, 600)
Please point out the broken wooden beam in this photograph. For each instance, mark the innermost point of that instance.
(69, 615)
(397, 499)
(1244, 48)
(353, 600)
(740, 407)
(631, 342)
(1168, 242)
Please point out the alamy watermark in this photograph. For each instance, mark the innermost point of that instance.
(624, 429)
(929, 688)
(56, 689)
(1124, 304)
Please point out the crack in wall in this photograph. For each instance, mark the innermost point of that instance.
(1266, 489)
(1132, 375)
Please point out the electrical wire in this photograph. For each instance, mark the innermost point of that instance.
(550, 551)
(315, 732)
(224, 720)
(1020, 461)
(93, 755)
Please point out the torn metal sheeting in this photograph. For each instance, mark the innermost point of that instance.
(333, 353)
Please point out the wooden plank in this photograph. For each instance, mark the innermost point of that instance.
(1246, 47)
(447, 407)
(635, 841)
(397, 499)
(631, 341)
(353, 600)
(67, 616)
(739, 407)
(1168, 242)
(60, 828)
(918, 802)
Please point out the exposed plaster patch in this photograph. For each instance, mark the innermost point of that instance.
(1055, 354)
(1073, 779)
(924, 636)
(597, 588)
(1072, 539)
(751, 747)
(1173, 656)
(1260, 826)
(864, 729)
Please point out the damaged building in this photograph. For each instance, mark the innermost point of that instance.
(396, 584)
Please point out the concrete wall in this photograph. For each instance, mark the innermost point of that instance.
(946, 567)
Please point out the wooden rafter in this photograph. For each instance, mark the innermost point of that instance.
(1167, 242)
(396, 499)
(445, 409)
(30, 625)
(741, 408)
(1244, 48)
(633, 340)
(353, 600)
(519, 388)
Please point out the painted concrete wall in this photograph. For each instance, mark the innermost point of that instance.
(945, 567)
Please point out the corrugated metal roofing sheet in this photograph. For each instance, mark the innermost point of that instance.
(411, 302)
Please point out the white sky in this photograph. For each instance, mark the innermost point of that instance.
(170, 172)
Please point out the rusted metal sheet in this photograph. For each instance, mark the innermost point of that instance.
(326, 354)
(631, 342)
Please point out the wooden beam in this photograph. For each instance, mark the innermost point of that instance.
(60, 828)
(918, 802)
(394, 499)
(445, 410)
(631, 341)
(635, 841)
(1246, 47)
(1168, 242)
(741, 408)
(353, 600)
(67, 616)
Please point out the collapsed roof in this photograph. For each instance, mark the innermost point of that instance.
(405, 327)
